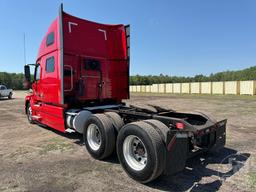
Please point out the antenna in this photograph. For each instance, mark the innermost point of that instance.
(24, 47)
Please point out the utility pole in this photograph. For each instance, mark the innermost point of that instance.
(24, 47)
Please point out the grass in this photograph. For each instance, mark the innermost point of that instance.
(252, 180)
(55, 144)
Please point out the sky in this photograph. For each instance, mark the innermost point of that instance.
(172, 37)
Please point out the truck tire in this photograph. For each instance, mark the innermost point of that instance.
(99, 136)
(10, 95)
(141, 152)
(161, 128)
(117, 121)
(29, 113)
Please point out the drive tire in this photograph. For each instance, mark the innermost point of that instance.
(161, 128)
(154, 146)
(117, 121)
(106, 135)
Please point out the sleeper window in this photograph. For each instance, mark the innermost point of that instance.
(49, 65)
(50, 39)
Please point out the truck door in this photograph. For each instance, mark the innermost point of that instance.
(90, 83)
(37, 85)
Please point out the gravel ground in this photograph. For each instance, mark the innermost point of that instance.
(33, 158)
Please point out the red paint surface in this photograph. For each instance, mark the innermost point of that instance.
(82, 40)
(86, 40)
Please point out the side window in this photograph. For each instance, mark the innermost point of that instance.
(4, 87)
(91, 64)
(50, 39)
(49, 65)
(37, 72)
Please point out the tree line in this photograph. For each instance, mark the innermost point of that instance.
(240, 75)
(12, 80)
(15, 80)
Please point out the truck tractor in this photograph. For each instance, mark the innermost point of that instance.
(81, 77)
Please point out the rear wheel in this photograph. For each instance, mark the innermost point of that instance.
(161, 128)
(99, 136)
(140, 151)
(117, 121)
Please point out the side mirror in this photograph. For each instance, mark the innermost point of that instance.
(27, 77)
(27, 72)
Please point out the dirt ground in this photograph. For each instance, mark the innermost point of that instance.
(33, 158)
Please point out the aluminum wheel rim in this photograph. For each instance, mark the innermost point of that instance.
(135, 152)
(94, 137)
(30, 113)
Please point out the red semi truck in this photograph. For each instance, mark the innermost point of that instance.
(81, 77)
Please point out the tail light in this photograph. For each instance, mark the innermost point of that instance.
(179, 125)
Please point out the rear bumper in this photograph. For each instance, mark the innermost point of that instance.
(178, 150)
(213, 136)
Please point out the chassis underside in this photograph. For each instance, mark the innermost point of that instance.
(167, 137)
(189, 134)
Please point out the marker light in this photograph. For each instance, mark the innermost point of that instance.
(180, 125)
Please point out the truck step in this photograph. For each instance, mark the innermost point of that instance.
(68, 130)
(37, 118)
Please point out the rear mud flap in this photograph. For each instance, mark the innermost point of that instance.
(220, 136)
(177, 150)
(176, 153)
